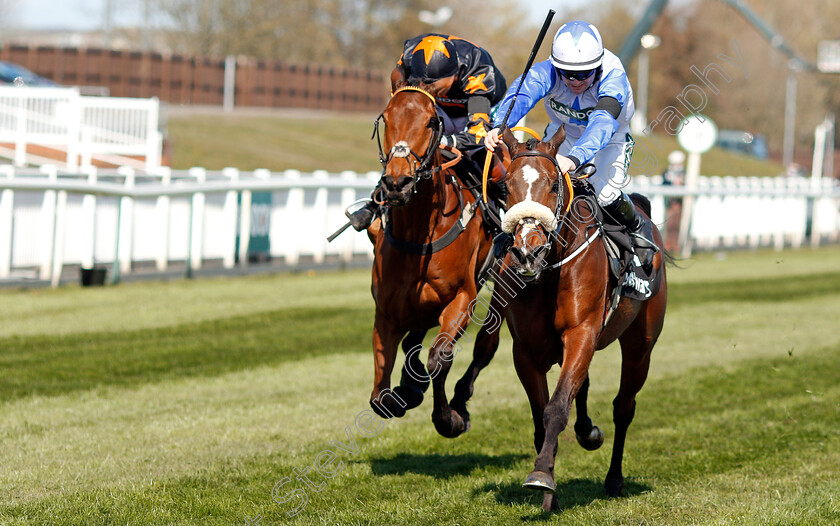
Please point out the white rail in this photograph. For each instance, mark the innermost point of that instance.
(127, 219)
(78, 130)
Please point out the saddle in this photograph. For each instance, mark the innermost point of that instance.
(627, 276)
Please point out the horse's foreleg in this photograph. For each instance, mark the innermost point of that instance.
(578, 348)
(384, 401)
(453, 322)
(486, 343)
(414, 379)
(588, 435)
(536, 387)
(636, 346)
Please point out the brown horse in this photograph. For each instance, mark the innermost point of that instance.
(427, 256)
(559, 286)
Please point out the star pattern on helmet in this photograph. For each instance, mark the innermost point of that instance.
(429, 45)
(476, 83)
(578, 29)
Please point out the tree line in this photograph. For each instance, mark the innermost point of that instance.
(370, 34)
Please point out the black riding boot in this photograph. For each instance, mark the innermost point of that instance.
(363, 217)
(624, 212)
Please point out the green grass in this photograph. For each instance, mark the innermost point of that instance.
(275, 142)
(343, 142)
(186, 402)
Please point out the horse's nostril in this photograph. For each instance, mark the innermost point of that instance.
(402, 182)
(518, 255)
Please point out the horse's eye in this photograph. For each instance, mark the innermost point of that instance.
(555, 187)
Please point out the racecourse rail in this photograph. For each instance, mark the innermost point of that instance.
(126, 219)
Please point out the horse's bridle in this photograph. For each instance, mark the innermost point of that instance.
(420, 165)
(559, 211)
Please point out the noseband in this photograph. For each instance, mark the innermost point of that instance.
(558, 215)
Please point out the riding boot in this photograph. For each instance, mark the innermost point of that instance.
(362, 218)
(624, 212)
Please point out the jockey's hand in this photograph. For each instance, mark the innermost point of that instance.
(492, 139)
(566, 165)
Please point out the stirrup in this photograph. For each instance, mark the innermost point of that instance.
(362, 216)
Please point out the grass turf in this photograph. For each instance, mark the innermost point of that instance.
(195, 414)
(343, 142)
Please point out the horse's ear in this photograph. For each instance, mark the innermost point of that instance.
(397, 79)
(508, 138)
(558, 138)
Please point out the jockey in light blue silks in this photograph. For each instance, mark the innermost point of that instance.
(585, 87)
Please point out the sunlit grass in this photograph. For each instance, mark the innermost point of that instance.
(186, 402)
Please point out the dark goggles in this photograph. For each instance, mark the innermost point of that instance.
(576, 75)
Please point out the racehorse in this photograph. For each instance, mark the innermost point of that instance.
(558, 279)
(427, 256)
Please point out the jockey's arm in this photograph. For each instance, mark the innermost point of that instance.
(613, 93)
(478, 122)
(598, 133)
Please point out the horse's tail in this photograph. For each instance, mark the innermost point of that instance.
(670, 259)
(642, 201)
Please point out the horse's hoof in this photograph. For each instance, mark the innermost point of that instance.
(461, 408)
(614, 486)
(450, 425)
(387, 408)
(593, 441)
(411, 395)
(539, 481)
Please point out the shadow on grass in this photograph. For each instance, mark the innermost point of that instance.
(440, 466)
(570, 494)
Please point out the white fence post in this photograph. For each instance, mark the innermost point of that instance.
(21, 135)
(293, 208)
(60, 229)
(319, 223)
(230, 213)
(126, 233)
(162, 211)
(47, 223)
(197, 221)
(89, 222)
(7, 203)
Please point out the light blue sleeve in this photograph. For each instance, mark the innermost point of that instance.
(598, 133)
(616, 85)
(537, 84)
(602, 126)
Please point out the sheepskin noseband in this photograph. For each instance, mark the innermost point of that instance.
(529, 209)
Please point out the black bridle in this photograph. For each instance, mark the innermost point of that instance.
(559, 212)
(420, 165)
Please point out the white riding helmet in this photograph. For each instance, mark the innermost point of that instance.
(577, 47)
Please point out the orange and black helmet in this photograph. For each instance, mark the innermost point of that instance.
(433, 58)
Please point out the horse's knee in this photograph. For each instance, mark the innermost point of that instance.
(439, 363)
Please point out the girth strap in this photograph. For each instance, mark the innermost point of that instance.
(424, 249)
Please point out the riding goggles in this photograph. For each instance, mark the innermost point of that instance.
(576, 75)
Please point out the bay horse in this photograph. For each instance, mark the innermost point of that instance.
(428, 250)
(558, 313)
